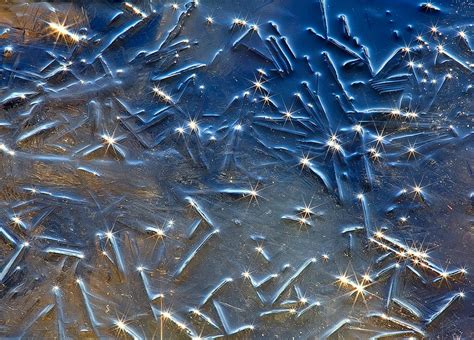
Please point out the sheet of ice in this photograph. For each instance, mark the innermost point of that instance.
(226, 168)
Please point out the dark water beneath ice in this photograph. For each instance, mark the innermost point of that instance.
(238, 169)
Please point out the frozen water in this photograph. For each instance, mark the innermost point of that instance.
(239, 169)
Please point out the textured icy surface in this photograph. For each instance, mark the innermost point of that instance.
(245, 169)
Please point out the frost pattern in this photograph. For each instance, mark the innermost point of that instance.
(181, 170)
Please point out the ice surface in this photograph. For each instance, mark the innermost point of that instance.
(238, 169)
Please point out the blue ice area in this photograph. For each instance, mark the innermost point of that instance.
(259, 169)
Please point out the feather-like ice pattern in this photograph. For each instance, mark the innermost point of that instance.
(248, 169)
